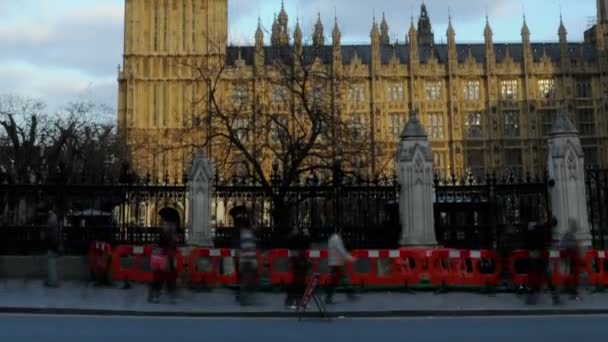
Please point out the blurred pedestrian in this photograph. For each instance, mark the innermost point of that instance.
(163, 263)
(298, 243)
(569, 245)
(54, 247)
(338, 258)
(247, 256)
(538, 241)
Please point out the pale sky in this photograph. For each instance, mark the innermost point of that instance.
(66, 50)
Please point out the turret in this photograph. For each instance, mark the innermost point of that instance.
(297, 38)
(413, 40)
(452, 54)
(259, 47)
(318, 37)
(384, 33)
(425, 30)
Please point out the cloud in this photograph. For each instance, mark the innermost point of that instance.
(55, 87)
(86, 39)
(59, 50)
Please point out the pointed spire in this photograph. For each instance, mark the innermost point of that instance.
(259, 34)
(525, 31)
(375, 32)
(412, 31)
(450, 33)
(283, 17)
(336, 34)
(487, 32)
(297, 36)
(318, 36)
(425, 29)
(384, 33)
(562, 32)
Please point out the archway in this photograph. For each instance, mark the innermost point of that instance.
(168, 214)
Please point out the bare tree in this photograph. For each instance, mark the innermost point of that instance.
(293, 126)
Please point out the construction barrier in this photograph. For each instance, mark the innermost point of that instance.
(566, 267)
(215, 275)
(99, 259)
(138, 273)
(318, 260)
(402, 273)
(404, 267)
(596, 265)
(526, 260)
(445, 267)
(284, 277)
(481, 268)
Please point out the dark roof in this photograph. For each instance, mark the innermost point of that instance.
(578, 51)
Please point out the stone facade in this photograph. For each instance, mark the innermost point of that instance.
(486, 106)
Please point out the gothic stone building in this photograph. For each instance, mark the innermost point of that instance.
(486, 106)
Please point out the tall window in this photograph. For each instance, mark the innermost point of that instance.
(475, 162)
(356, 93)
(395, 91)
(279, 94)
(434, 91)
(509, 89)
(513, 161)
(511, 127)
(278, 128)
(318, 95)
(435, 126)
(471, 90)
(240, 95)
(585, 121)
(473, 125)
(358, 127)
(547, 117)
(583, 88)
(241, 129)
(546, 88)
(440, 163)
(396, 125)
(590, 153)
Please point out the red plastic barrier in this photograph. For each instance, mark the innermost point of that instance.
(137, 273)
(214, 276)
(598, 275)
(279, 277)
(402, 272)
(445, 267)
(573, 262)
(316, 257)
(473, 274)
(99, 252)
(519, 279)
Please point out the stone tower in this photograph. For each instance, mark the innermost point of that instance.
(425, 30)
(156, 88)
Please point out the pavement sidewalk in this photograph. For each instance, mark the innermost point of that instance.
(19, 296)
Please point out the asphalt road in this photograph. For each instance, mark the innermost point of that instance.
(116, 329)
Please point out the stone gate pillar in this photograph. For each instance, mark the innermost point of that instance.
(415, 172)
(566, 168)
(200, 190)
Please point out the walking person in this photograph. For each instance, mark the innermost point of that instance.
(247, 255)
(164, 264)
(338, 258)
(54, 247)
(569, 244)
(298, 243)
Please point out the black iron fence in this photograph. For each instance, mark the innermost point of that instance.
(469, 213)
(597, 198)
(489, 213)
(364, 211)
